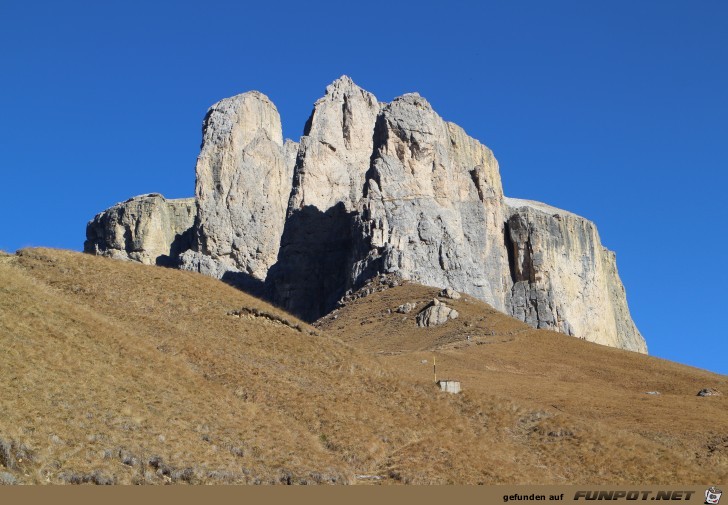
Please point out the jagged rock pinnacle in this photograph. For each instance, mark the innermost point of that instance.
(376, 188)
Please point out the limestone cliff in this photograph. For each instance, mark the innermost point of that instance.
(335, 150)
(333, 157)
(243, 180)
(371, 188)
(148, 228)
(564, 279)
(433, 205)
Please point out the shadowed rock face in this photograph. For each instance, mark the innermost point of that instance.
(564, 279)
(314, 261)
(148, 228)
(373, 188)
(314, 258)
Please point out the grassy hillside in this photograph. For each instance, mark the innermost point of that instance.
(119, 372)
(596, 405)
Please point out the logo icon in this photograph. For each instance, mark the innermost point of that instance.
(712, 495)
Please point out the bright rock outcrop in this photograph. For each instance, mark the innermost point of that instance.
(564, 279)
(243, 181)
(372, 188)
(148, 228)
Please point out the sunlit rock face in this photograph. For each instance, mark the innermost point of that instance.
(433, 205)
(371, 188)
(148, 228)
(564, 279)
(333, 157)
(243, 181)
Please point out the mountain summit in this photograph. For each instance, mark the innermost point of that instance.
(370, 188)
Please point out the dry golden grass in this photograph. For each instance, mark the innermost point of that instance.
(588, 417)
(119, 372)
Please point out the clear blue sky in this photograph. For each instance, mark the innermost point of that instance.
(616, 110)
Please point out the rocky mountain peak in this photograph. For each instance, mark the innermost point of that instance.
(375, 188)
(243, 179)
(335, 149)
(247, 114)
(344, 85)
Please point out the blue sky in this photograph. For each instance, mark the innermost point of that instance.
(616, 110)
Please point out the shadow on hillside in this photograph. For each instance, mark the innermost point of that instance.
(246, 282)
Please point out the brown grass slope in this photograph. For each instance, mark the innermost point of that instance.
(595, 421)
(119, 372)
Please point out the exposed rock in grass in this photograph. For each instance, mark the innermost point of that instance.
(12, 453)
(406, 308)
(436, 313)
(95, 477)
(253, 312)
(375, 285)
(449, 293)
(709, 392)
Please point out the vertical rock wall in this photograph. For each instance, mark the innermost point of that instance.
(148, 228)
(370, 188)
(433, 210)
(312, 271)
(243, 182)
(564, 279)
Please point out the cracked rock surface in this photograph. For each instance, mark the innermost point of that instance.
(564, 279)
(433, 205)
(436, 313)
(370, 189)
(243, 181)
(314, 258)
(148, 228)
